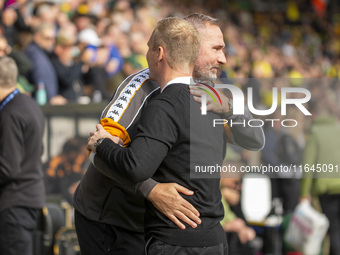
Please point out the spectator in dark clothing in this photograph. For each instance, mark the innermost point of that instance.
(12, 21)
(96, 56)
(281, 149)
(43, 70)
(68, 72)
(22, 191)
(23, 63)
(8, 19)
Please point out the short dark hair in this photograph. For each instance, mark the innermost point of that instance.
(201, 20)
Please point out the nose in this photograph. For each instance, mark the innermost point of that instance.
(222, 58)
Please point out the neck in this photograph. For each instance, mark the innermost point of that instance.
(170, 74)
(4, 92)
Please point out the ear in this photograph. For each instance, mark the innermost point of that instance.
(161, 53)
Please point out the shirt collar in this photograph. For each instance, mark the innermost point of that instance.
(7, 99)
(185, 80)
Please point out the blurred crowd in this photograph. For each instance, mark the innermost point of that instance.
(81, 50)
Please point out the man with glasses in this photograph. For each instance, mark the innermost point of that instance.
(69, 72)
(43, 71)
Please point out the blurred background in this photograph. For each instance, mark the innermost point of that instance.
(73, 54)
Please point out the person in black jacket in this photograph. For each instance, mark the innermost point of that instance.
(69, 73)
(22, 191)
(173, 138)
(105, 204)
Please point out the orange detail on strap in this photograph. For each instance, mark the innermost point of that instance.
(115, 129)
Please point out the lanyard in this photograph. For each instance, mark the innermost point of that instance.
(8, 98)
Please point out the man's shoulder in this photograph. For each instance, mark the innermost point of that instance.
(175, 89)
(135, 82)
(137, 78)
(130, 96)
(174, 93)
(26, 102)
(32, 47)
(21, 107)
(34, 52)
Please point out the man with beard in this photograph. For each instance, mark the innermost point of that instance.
(171, 136)
(116, 214)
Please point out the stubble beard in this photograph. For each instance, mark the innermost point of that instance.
(205, 73)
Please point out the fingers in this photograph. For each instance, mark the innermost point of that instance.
(186, 213)
(243, 237)
(211, 107)
(90, 144)
(117, 140)
(195, 91)
(246, 235)
(94, 136)
(99, 127)
(192, 210)
(197, 99)
(192, 216)
(186, 204)
(120, 142)
(176, 221)
(166, 198)
(178, 217)
(187, 209)
(182, 217)
(197, 96)
(221, 106)
(183, 190)
(210, 103)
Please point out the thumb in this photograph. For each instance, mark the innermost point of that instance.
(99, 127)
(197, 99)
(183, 190)
(121, 142)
